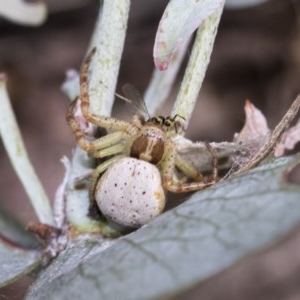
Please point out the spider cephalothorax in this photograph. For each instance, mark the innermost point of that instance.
(149, 145)
(151, 141)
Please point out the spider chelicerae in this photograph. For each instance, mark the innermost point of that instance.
(151, 140)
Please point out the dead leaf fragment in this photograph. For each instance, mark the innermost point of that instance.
(252, 136)
(273, 138)
(288, 140)
(255, 128)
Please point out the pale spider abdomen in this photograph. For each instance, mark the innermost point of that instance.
(124, 193)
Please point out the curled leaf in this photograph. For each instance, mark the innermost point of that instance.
(180, 19)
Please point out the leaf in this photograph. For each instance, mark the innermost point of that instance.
(15, 148)
(214, 229)
(196, 68)
(255, 128)
(180, 19)
(253, 135)
(21, 12)
(16, 262)
(12, 230)
(17, 256)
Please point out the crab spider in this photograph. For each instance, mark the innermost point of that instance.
(148, 140)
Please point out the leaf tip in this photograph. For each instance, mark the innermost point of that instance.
(160, 64)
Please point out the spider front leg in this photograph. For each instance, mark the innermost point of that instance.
(94, 147)
(107, 145)
(186, 168)
(214, 156)
(100, 121)
(168, 167)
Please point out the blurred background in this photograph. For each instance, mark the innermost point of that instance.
(256, 56)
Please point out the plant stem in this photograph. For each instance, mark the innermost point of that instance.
(198, 62)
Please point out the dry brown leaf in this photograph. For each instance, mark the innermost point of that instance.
(255, 128)
(288, 140)
(252, 136)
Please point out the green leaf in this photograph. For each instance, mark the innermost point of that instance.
(16, 262)
(214, 229)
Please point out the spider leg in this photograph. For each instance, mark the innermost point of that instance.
(101, 121)
(186, 168)
(168, 168)
(94, 145)
(112, 150)
(214, 156)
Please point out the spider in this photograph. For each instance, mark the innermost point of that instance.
(148, 140)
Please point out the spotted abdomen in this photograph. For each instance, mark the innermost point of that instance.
(130, 192)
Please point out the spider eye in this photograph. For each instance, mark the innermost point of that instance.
(161, 119)
(158, 120)
(155, 120)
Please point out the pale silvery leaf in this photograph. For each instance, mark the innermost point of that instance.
(161, 82)
(12, 230)
(16, 262)
(15, 148)
(212, 230)
(180, 19)
(24, 13)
